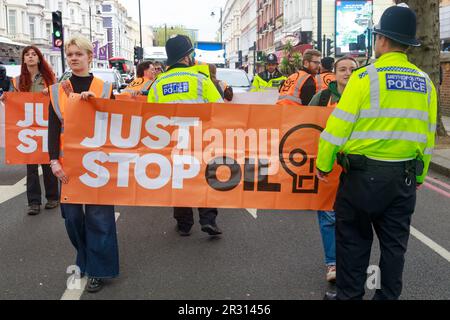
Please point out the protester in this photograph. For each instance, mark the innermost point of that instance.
(36, 75)
(224, 89)
(145, 73)
(326, 74)
(92, 229)
(159, 68)
(343, 69)
(301, 86)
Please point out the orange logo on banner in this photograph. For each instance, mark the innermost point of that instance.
(207, 155)
(26, 128)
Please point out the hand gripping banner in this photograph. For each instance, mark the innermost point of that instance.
(188, 155)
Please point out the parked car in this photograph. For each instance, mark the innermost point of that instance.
(108, 75)
(235, 78)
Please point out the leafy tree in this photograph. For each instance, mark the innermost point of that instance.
(291, 62)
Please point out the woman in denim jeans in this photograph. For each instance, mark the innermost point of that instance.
(343, 69)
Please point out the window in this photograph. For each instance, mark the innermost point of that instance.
(60, 6)
(106, 8)
(48, 31)
(83, 17)
(23, 23)
(72, 15)
(47, 4)
(12, 22)
(32, 27)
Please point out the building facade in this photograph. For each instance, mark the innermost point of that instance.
(231, 32)
(30, 22)
(249, 24)
(106, 23)
(444, 16)
(270, 24)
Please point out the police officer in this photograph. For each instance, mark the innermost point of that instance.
(185, 82)
(382, 133)
(269, 78)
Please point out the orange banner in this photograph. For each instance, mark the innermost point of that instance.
(207, 155)
(26, 128)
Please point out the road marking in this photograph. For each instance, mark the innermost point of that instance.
(9, 192)
(436, 181)
(431, 244)
(438, 190)
(253, 212)
(75, 294)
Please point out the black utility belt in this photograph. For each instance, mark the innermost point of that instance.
(360, 162)
(379, 163)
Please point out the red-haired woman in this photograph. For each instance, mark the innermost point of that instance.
(36, 76)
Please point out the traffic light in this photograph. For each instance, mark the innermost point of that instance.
(58, 35)
(138, 54)
(362, 42)
(330, 47)
(259, 56)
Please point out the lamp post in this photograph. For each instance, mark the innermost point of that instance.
(221, 22)
(90, 20)
(140, 24)
(319, 25)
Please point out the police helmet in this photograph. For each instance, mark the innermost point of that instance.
(178, 47)
(271, 58)
(399, 24)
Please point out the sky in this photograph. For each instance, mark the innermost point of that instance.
(193, 14)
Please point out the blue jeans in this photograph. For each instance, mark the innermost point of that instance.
(327, 222)
(93, 233)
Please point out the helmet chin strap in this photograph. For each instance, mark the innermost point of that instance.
(191, 61)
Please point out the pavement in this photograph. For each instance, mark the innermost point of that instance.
(440, 161)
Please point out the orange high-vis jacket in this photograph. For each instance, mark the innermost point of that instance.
(59, 95)
(324, 79)
(138, 84)
(292, 88)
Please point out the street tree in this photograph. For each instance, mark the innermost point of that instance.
(427, 56)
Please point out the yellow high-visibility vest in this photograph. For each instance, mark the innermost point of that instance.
(387, 112)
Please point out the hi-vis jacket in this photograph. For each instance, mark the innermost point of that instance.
(184, 85)
(59, 95)
(260, 82)
(324, 79)
(138, 84)
(292, 88)
(387, 112)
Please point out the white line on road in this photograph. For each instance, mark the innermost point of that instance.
(253, 212)
(9, 192)
(430, 243)
(75, 294)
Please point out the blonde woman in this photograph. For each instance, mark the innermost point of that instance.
(91, 228)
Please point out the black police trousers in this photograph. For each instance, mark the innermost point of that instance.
(34, 194)
(382, 198)
(185, 216)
